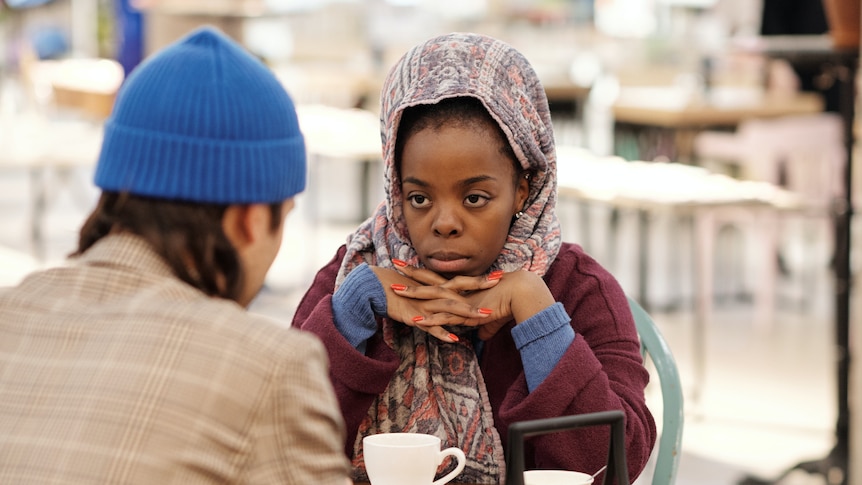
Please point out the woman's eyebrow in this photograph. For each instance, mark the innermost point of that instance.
(477, 179)
(415, 181)
(464, 183)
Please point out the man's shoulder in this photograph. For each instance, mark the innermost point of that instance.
(281, 335)
(256, 332)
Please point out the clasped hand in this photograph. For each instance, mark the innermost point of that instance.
(429, 301)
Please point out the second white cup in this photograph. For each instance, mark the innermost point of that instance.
(556, 477)
(407, 459)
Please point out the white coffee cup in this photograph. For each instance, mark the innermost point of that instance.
(407, 459)
(556, 477)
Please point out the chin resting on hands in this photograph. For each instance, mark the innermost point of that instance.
(427, 300)
(424, 299)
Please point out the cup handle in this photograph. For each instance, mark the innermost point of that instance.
(462, 460)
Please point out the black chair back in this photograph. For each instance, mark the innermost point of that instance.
(617, 468)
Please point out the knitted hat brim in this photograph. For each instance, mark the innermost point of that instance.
(209, 171)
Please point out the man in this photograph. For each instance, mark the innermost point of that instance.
(137, 361)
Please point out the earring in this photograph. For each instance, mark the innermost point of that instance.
(519, 214)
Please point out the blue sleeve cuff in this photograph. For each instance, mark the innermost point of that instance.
(542, 340)
(356, 303)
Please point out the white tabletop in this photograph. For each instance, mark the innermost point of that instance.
(584, 175)
(340, 132)
(32, 139)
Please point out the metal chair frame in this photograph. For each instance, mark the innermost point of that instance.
(524, 429)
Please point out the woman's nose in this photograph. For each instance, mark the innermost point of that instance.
(446, 222)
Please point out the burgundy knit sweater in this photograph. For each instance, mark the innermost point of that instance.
(602, 369)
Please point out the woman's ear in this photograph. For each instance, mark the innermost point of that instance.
(522, 191)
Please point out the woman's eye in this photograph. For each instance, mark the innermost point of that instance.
(476, 200)
(418, 201)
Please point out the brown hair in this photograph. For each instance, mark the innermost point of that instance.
(187, 235)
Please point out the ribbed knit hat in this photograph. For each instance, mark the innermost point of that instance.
(203, 121)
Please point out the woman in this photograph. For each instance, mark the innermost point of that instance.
(456, 310)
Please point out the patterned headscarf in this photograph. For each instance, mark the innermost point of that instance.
(452, 403)
(461, 64)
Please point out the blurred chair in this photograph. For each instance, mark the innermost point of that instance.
(670, 442)
(804, 154)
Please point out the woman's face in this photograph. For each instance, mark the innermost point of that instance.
(459, 197)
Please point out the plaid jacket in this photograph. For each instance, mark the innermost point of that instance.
(114, 371)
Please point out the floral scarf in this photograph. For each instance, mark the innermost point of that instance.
(438, 388)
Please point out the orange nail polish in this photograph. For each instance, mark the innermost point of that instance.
(495, 275)
(398, 287)
(453, 337)
(486, 311)
(418, 318)
(399, 263)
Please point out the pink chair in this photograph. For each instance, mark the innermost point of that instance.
(804, 154)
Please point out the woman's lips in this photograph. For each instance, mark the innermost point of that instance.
(447, 263)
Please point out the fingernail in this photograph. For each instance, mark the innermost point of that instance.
(418, 318)
(486, 311)
(495, 275)
(453, 337)
(398, 287)
(399, 263)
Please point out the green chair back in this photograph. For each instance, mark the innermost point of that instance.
(670, 442)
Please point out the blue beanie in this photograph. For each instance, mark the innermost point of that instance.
(203, 121)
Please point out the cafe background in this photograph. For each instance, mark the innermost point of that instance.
(677, 83)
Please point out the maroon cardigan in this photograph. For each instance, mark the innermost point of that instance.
(602, 370)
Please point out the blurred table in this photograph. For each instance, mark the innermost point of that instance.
(348, 134)
(340, 132)
(684, 189)
(564, 93)
(60, 132)
(655, 112)
(564, 90)
(52, 151)
(671, 108)
(168, 20)
(83, 87)
(87, 86)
